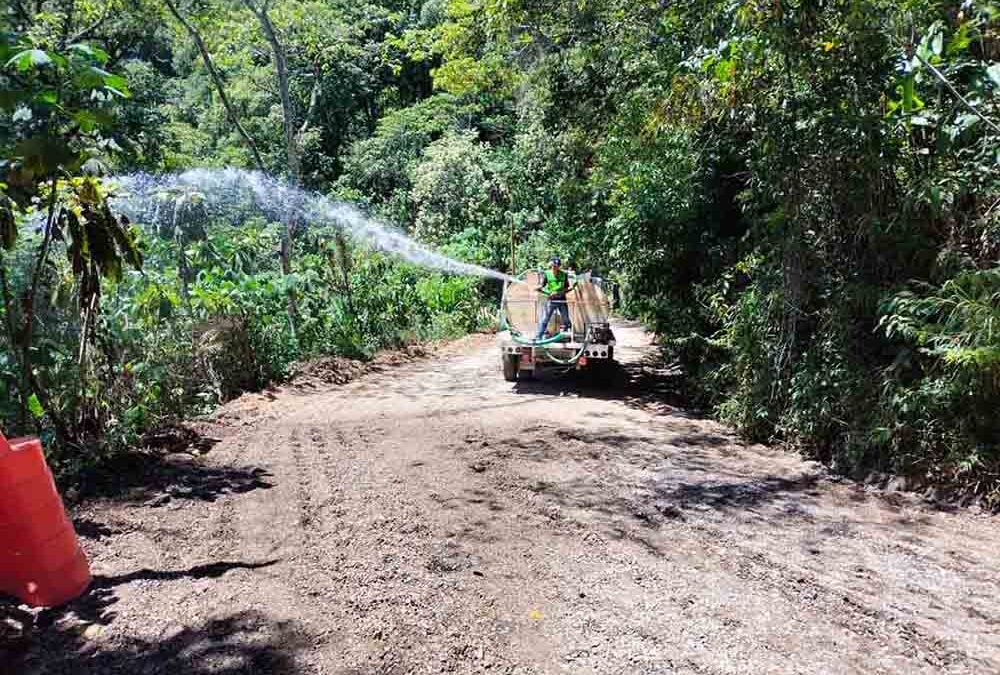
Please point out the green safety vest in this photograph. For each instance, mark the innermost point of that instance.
(556, 282)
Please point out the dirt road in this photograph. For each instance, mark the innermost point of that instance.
(432, 518)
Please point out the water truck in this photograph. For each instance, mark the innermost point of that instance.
(589, 344)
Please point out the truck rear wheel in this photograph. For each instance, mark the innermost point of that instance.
(510, 366)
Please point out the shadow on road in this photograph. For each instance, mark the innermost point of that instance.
(208, 571)
(140, 476)
(688, 485)
(748, 493)
(691, 460)
(244, 642)
(622, 477)
(649, 384)
(55, 640)
(91, 529)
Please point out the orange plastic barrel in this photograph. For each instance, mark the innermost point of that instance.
(40, 558)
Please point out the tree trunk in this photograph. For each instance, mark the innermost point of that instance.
(11, 328)
(793, 249)
(8, 305)
(29, 382)
(345, 264)
(291, 145)
(30, 293)
(183, 272)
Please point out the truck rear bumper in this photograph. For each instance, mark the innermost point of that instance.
(532, 357)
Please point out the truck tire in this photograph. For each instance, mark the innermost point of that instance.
(510, 366)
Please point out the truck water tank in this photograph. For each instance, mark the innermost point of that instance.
(40, 558)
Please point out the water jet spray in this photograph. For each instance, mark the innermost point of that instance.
(139, 196)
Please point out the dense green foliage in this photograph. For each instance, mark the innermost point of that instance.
(801, 197)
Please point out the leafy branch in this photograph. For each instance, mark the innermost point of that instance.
(968, 104)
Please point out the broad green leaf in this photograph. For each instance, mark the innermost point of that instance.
(932, 43)
(116, 81)
(58, 59)
(121, 93)
(86, 120)
(35, 406)
(994, 73)
(937, 43)
(960, 41)
(91, 77)
(94, 53)
(98, 78)
(48, 97)
(28, 59)
(725, 70)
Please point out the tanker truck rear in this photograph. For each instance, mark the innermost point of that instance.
(589, 345)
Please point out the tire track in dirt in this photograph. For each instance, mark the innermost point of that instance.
(315, 560)
(329, 506)
(224, 531)
(392, 559)
(286, 524)
(302, 481)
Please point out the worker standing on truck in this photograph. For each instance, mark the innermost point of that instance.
(555, 285)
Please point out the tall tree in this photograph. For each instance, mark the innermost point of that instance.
(294, 162)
